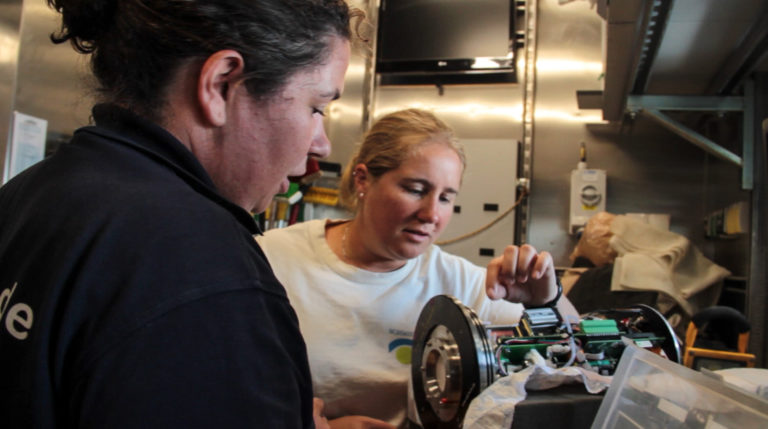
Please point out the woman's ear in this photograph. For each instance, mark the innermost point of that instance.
(362, 179)
(219, 76)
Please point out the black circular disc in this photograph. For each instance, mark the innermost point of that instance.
(477, 362)
(658, 323)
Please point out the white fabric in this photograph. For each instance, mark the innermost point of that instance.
(358, 325)
(753, 380)
(654, 259)
(494, 407)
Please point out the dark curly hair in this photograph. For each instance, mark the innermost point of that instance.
(138, 45)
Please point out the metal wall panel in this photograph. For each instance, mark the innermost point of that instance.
(649, 169)
(10, 20)
(346, 120)
(490, 163)
(52, 82)
(37, 77)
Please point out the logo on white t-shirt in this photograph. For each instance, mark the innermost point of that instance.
(402, 348)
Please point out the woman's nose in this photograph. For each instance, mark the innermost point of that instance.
(321, 145)
(429, 211)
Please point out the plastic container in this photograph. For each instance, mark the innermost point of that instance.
(649, 392)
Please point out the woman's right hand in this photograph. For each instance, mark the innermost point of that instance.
(359, 422)
(522, 274)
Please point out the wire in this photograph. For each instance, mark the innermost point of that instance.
(498, 362)
(523, 194)
(573, 343)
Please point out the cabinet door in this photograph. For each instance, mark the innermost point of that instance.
(487, 191)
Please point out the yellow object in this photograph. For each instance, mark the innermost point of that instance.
(282, 207)
(693, 351)
(729, 221)
(736, 218)
(319, 195)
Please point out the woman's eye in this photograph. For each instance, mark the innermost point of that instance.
(415, 191)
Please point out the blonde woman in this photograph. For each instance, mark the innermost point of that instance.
(359, 285)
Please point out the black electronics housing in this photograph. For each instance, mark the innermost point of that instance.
(446, 42)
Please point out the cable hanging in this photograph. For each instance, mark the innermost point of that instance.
(523, 194)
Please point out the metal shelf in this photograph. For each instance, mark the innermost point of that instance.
(636, 48)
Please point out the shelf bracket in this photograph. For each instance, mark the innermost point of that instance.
(652, 106)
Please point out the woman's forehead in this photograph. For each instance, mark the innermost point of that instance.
(436, 158)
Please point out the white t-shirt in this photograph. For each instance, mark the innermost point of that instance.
(358, 324)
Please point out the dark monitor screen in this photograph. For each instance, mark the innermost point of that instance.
(437, 35)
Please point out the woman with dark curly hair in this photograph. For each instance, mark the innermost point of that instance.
(131, 290)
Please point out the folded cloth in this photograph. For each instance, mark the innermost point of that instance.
(654, 259)
(494, 407)
(633, 236)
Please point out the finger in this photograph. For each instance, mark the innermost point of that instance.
(509, 263)
(378, 424)
(493, 287)
(525, 262)
(318, 406)
(318, 414)
(544, 265)
(359, 422)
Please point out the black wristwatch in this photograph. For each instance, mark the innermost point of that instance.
(553, 302)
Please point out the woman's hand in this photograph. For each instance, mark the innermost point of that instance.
(318, 414)
(522, 275)
(359, 422)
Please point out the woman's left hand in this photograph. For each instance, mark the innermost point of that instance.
(318, 414)
(522, 275)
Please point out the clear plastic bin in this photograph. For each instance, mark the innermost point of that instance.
(650, 392)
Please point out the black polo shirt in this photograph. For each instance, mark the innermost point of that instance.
(132, 294)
